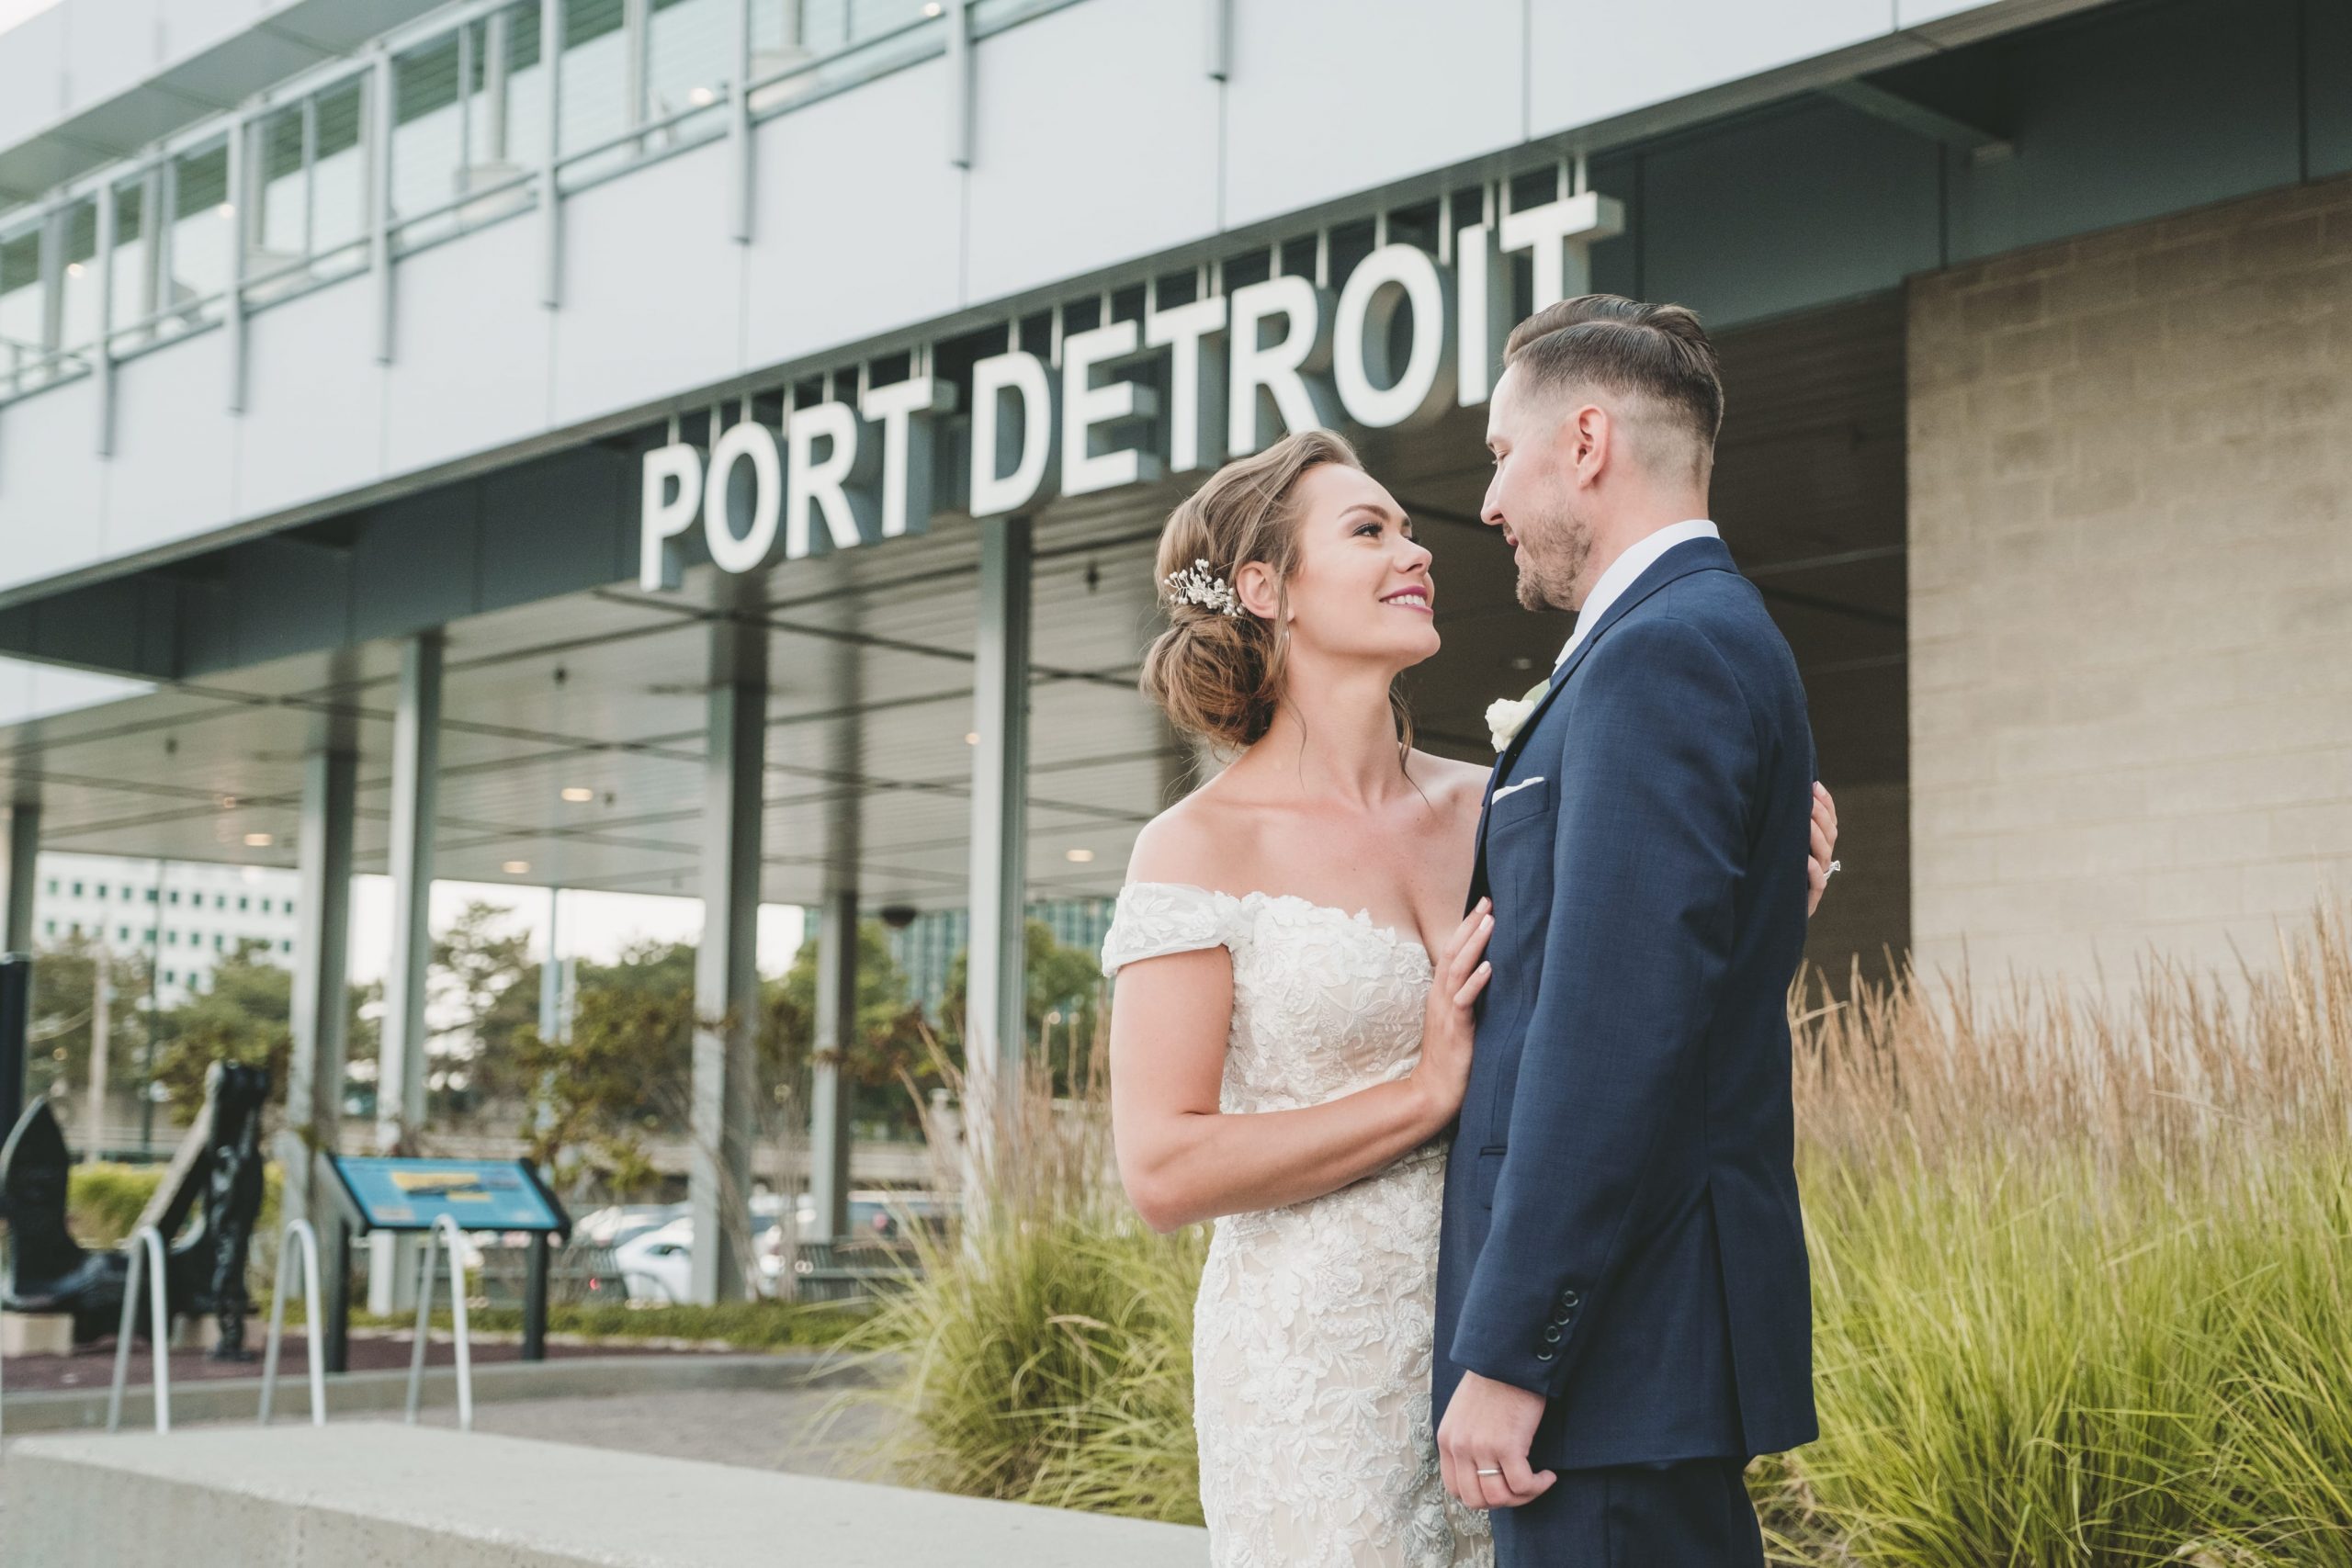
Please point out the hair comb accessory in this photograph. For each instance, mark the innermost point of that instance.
(1198, 585)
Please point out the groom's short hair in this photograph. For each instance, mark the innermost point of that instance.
(1656, 353)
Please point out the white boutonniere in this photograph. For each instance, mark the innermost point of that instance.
(1504, 715)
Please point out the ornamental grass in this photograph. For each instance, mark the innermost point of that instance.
(2082, 1284)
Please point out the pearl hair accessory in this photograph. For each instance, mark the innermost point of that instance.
(1198, 585)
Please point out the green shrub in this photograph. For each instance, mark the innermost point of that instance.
(2082, 1286)
(103, 1201)
(747, 1325)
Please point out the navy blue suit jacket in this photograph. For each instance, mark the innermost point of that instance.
(1622, 1232)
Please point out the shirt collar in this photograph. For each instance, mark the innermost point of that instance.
(1638, 559)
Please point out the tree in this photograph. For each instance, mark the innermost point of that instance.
(489, 991)
(889, 1049)
(58, 1032)
(244, 1014)
(626, 1071)
(1062, 996)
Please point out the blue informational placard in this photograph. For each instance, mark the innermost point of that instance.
(480, 1194)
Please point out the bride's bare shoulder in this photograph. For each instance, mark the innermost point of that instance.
(1457, 787)
(1196, 840)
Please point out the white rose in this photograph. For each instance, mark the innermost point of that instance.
(1504, 715)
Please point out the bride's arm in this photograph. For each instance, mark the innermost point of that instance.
(1184, 1160)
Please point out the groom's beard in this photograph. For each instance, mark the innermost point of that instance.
(1556, 553)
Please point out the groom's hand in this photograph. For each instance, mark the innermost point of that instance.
(1488, 1427)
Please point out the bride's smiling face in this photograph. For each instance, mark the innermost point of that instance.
(1361, 587)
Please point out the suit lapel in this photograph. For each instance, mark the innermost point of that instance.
(1690, 556)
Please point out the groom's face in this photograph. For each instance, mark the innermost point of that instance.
(1532, 497)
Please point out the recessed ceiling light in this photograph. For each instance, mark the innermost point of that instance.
(258, 840)
(932, 9)
(577, 793)
(516, 867)
(972, 737)
(702, 97)
(1080, 857)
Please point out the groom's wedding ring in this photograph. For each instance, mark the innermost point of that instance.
(1490, 1472)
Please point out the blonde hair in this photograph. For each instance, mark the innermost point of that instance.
(1218, 675)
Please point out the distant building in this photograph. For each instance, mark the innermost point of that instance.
(185, 916)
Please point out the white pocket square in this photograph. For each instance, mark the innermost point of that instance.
(1509, 787)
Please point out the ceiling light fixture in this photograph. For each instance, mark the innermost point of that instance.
(516, 867)
(259, 841)
(577, 793)
(971, 738)
(1079, 856)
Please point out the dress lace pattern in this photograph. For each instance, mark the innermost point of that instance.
(1312, 1336)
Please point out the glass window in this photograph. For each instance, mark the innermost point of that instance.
(595, 97)
(23, 330)
(201, 226)
(277, 232)
(77, 890)
(102, 890)
(50, 926)
(687, 57)
(339, 172)
(284, 947)
(243, 903)
(122, 933)
(171, 976)
(171, 939)
(52, 884)
(425, 147)
(134, 269)
(78, 308)
(150, 895)
(175, 895)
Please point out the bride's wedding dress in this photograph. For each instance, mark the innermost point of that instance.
(1312, 1336)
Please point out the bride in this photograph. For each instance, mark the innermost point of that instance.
(1293, 1031)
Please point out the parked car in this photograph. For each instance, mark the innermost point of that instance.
(877, 1218)
(657, 1264)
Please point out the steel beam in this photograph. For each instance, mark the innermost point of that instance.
(320, 1007)
(24, 856)
(726, 981)
(400, 1080)
(994, 1017)
(836, 1029)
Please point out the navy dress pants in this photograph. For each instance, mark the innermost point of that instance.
(1693, 1515)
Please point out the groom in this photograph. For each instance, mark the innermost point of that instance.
(1623, 1312)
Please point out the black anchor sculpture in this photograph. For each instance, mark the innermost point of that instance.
(217, 1166)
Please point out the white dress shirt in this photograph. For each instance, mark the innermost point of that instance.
(1621, 572)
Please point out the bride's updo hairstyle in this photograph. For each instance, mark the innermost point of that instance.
(1214, 673)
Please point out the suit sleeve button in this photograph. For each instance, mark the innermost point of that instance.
(1544, 1354)
(1552, 1334)
(1570, 1299)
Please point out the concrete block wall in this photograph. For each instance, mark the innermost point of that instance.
(2130, 591)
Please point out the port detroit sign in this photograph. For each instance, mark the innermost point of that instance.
(1242, 368)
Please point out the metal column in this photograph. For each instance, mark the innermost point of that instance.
(400, 1079)
(24, 857)
(836, 1029)
(322, 1005)
(726, 981)
(994, 1018)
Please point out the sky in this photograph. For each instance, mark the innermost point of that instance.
(594, 926)
(14, 11)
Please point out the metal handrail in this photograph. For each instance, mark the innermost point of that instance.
(446, 1234)
(302, 1231)
(146, 1245)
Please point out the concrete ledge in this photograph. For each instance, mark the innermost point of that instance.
(572, 1377)
(369, 1494)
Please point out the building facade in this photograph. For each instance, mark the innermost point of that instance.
(717, 446)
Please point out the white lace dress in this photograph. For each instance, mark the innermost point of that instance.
(1312, 1336)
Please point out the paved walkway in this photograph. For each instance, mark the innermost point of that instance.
(758, 1429)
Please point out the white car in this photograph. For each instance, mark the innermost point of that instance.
(657, 1265)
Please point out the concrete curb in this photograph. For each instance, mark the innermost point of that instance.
(576, 1377)
(361, 1495)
